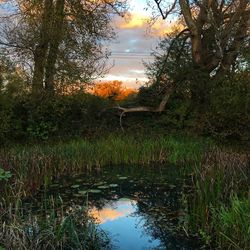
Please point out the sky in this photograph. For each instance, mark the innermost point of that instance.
(133, 45)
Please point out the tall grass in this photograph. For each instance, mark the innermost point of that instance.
(53, 228)
(33, 166)
(233, 224)
(220, 176)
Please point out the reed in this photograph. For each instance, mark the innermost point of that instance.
(54, 227)
(220, 176)
(34, 166)
(233, 224)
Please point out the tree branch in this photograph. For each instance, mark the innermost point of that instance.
(167, 12)
(165, 98)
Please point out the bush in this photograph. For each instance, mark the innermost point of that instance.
(24, 117)
(228, 114)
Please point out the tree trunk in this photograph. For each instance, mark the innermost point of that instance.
(41, 49)
(56, 37)
(194, 33)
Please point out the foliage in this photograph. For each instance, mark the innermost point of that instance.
(233, 224)
(69, 228)
(228, 113)
(25, 117)
(4, 175)
(203, 103)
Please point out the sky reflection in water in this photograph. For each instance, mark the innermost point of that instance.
(121, 222)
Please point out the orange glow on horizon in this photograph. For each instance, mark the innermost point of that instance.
(112, 90)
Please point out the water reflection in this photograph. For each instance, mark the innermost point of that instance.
(119, 209)
(126, 228)
(139, 208)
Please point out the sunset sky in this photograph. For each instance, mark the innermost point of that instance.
(134, 44)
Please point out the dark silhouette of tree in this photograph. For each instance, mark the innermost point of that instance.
(61, 39)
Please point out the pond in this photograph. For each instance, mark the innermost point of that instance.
(137, 207)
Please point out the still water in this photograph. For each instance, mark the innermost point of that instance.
(137, 207)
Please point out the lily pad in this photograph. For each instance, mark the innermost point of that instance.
(124, 199)
(78, 195)
(95, 191)
(82, 192)
(79, 180)
(113, 185)
(100, 183)
(54, 185)
(123, 178)
(103, 187)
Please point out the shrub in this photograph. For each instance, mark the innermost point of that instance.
(228, 115)
(25, 117)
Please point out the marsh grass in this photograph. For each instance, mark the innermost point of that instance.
(36, 166)
(217, 175)
(54, 227)
(233, 225)
(220, 176)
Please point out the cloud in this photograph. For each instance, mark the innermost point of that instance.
(135, 42)
(109, 213)
(158, 27)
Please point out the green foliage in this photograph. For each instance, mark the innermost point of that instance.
(204, 103)
(228, 114)
(4, 175)
(24, 117)
(150, 95)
(56, 229)
(233, 224)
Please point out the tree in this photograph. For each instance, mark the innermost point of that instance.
(61, 38)
(215, 34)
(217, 30)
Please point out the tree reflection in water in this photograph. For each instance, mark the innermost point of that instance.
(146, 203)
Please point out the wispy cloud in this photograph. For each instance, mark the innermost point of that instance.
(136, 39)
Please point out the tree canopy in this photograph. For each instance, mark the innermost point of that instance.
(217, 30)
(59, 41)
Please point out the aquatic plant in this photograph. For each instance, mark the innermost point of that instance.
(34, 166)
(4, 175)
(233, 224)
(53, 229)
(221, 175)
